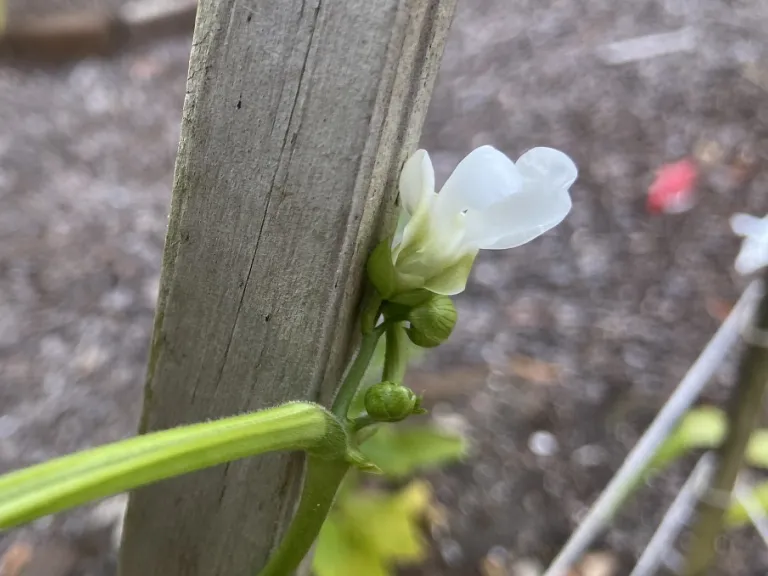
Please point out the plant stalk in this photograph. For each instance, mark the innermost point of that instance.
(321, 482)
(745, 407)
(356, 372)
(323, 477)
(396, 354)
(72, 480)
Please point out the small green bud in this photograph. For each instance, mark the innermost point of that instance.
(390, 402)
(432, 321)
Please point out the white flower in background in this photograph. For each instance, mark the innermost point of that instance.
(754, 248)
(488, 203)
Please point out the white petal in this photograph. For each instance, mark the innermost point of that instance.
(748, 225)
(752, 257)
(519, 219)
(547, 165)
(416, 180)
(483, 178)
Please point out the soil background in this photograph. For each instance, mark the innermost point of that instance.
(566, 347)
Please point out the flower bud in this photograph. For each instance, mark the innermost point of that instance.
(390, 402)
(432, 322)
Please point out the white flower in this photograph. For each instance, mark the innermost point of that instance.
(488, 203)
(754, 248)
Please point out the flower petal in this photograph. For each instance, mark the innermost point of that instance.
(754, 248)
(416, 180)
(748, 225)
(547, 165)
(483, 178)
(753, 256)
(519, 219)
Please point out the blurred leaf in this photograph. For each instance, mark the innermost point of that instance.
(757, 449)
(705, 428)
(702, 427)
(400, 451)
(339, 554)
(388, 524)
(737, 515)
(369, 532)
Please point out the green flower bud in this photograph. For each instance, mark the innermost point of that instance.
(390, 402)
(432, 322)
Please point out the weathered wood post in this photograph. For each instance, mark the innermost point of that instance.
(297, 119)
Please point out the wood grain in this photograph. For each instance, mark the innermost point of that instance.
(297, 119)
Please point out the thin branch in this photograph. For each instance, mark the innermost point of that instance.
(746, 405)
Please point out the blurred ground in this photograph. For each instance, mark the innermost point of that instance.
(580, 335)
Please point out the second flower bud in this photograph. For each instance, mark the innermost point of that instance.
(432, 321)
(391, 402)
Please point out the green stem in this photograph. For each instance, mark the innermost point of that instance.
(356, 372)
(744, 413)
(396, 354)
(320, 485)
(323, 477)
(91, 474)
(371, 310)
(361, 422)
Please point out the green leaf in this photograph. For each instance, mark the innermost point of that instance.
(757, 449)
(701, 428)
(338, 553)
(737, 515)
(78, 478)
(705, 427)
(370, 532)
(400, 451)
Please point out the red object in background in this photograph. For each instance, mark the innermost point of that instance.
(672, 192)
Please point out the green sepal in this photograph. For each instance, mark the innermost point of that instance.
(381, 269)
(412, 298)
(361, 462)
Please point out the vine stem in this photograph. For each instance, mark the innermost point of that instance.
(356, 372)
(321, 482)
(746, 406)
(396, 357)
(323, 477)
(72, 480)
